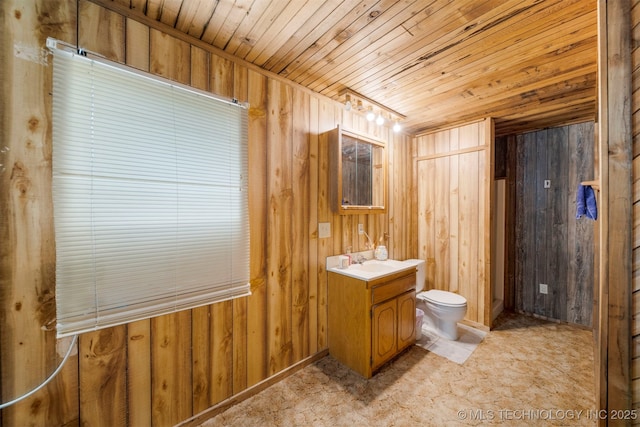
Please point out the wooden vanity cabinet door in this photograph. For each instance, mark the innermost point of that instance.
(384, 332)
(406, 320)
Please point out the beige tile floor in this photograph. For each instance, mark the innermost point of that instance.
(525, 372)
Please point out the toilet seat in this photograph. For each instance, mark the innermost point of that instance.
(443, 298)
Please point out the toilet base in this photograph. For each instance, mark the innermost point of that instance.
(444, 328)
(447, 329)
(449, 333)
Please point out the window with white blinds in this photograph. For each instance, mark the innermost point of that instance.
(150, 196)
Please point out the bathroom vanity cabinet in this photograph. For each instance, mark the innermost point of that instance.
(371, 321)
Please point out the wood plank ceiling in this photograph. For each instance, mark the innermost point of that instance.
(530, 64)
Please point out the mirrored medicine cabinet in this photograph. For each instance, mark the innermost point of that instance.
(358, 173)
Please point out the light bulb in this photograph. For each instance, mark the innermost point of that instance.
(370, 114)
(397, 127)
(380, 119)
(347, 104)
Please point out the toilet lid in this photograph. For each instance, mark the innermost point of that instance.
(444, 298)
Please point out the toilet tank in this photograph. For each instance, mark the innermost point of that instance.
(420, 273)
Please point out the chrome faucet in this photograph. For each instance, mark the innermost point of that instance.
(360, 259)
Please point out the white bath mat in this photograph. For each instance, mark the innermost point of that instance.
(456, 351)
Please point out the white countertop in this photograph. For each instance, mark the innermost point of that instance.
(370, 269)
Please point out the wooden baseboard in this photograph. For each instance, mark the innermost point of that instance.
(475, 325)
(211, 412)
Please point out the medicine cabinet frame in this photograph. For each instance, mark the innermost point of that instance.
(347, 151)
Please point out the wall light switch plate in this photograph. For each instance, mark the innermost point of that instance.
(324, 230)
(360, 229)
(547, 183)
(544, 288)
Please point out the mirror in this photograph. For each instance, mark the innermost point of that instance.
(358, 169)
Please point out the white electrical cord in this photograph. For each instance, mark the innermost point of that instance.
(35, 390)
(371, 246)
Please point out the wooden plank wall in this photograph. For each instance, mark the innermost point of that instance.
(635, 285)
(27, 255)
(454, 184)
(553, 247)
(615, 322)
(164, 370)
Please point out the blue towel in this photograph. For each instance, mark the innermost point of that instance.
(586, 203)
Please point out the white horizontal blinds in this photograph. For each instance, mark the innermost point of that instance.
(150, 196)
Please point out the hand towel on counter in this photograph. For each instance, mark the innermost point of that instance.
(586, 203)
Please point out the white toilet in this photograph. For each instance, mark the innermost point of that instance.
(443, 310)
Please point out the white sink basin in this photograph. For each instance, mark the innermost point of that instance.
(373, 269)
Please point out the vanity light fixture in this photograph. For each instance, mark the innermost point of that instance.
(347, 103)
(355, 102)
(397, 127)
